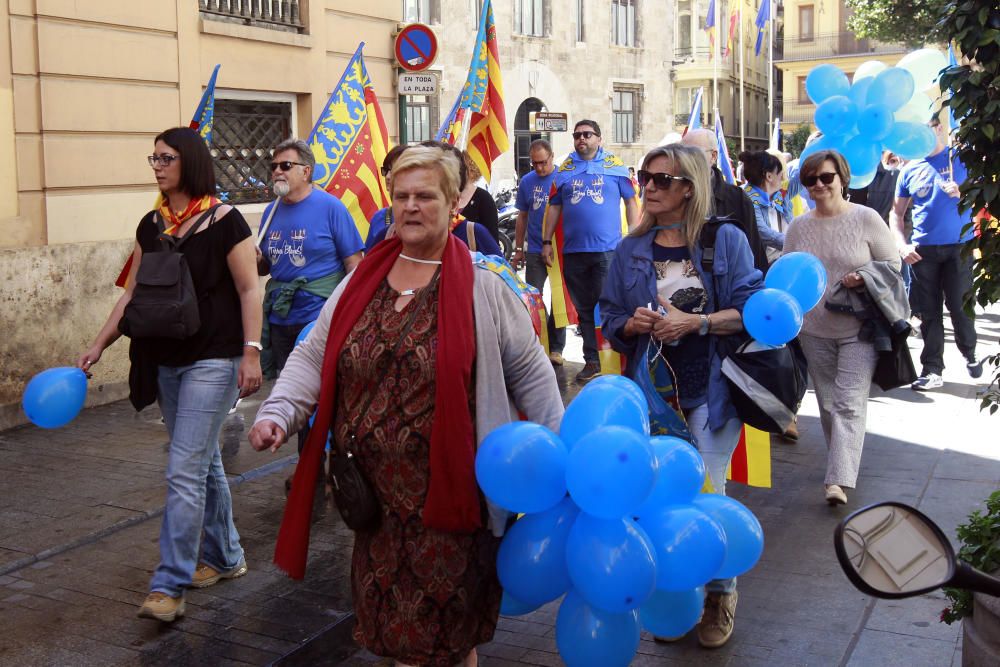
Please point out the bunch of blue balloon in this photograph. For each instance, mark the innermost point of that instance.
(883, 108)
(54, 397)
(632, 544)
(793, 286)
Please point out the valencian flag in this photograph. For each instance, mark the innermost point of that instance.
(724, 163)
(349, 142)
(734, 18)
(710, 28)
(482, 97)
(201, 122)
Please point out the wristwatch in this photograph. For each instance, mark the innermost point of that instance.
(703, 329)
(253, 343)
(549, 242)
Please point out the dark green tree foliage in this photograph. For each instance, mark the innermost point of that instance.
(980, 539)
(975, 103)
(913, 22)
(796, 141)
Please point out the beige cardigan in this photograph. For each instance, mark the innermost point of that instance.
(512, 371)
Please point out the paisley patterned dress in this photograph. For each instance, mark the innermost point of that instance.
(421, 596)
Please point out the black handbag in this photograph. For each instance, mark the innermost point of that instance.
(766, 384)
(895, 367)
(352, 491)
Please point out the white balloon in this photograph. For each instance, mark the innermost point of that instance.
(924, 65)
(867, 69)
(919, 109)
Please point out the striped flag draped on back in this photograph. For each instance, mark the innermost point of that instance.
(349, 142)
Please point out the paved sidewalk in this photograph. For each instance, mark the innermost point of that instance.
(80, 520)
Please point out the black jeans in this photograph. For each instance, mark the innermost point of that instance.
(584, 273)
(943, 276)
(536, 273)
(282, 343)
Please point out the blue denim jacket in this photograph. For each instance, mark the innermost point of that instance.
(631, 283)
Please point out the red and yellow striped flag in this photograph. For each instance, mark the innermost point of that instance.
(349, 142)
(751, 462)
(563, 310)
(734, 17)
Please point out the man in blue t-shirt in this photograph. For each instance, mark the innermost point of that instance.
(941, 274)
(587, 193)
(532, 196)
(308, 243)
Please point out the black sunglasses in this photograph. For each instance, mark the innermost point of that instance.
(286, 165)
(826, 178)
(586, 134)
(661, 181)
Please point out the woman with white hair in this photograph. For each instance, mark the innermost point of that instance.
(415, 358)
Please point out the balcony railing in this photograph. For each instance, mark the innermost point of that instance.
(799, 47)
(274, 14)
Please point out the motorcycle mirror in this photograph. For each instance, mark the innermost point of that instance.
(891, 550)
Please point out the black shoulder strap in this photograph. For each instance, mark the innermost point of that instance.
(708, 233)
(176, 243)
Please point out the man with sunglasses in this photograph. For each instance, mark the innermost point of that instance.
(941, 274)
(308, 243)
(585, 199)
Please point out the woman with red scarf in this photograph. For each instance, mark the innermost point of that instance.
(196, 379)
(415, 358)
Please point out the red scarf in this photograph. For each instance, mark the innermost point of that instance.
(452, 503)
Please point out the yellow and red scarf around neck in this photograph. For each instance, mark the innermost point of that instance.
(172, 221)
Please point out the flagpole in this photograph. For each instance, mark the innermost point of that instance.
(743, 146)
(715, 59)
(770, 69)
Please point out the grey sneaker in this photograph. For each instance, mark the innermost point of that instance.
(927, 382)
(716, 625)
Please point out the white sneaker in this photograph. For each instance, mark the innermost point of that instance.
(927, 382)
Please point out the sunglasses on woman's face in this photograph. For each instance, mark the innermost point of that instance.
(661, 181)
(826, 179)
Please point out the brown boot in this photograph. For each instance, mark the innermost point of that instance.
(716, 625)
(791, 434)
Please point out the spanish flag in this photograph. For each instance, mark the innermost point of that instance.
(612, 362)
(482, 95)
(350, 141)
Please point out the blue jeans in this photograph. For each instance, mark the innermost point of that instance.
(716, 448)
(195, 400)
(535, 274)
(584, 273)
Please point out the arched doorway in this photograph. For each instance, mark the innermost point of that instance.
(524, 134)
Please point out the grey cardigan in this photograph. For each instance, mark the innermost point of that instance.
(512, 370)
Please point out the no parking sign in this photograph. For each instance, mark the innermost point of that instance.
(416, 47)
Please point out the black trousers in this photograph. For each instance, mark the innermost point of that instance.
(282, 343)
(943, 277)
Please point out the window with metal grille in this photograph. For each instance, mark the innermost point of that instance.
(244, 133)
(623, 22)
(529, 17)
(624, 114)
(421, 117)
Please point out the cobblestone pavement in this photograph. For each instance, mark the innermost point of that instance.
(81, 512)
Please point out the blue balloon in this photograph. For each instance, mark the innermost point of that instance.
(604, 404)
(892, 87)
(521, 466)
(825, 81)
(680, 475)
(611, 471)
(611, 562)
(744, 535)
(859, 91)
(305, 332)
(627, 385)
(800, 274)
(863, 180)
(875, 121)
(690, 546)
(825, 143)
(511, 606)
(531, 561)
(772, 316)
(54, 397)
(837, 115)
(672, 613)
(911, 141)
(590, 637)
(862, 155)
